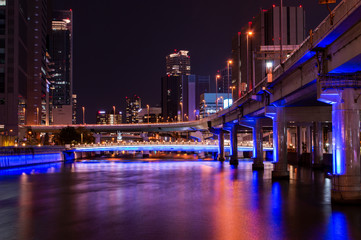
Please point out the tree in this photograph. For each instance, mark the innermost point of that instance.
(70, 135)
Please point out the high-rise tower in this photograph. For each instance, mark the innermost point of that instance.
(61, 52)
(178, 63)
(132, 109)
(13, 65)
(39, 20)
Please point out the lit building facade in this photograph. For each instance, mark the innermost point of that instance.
(209, 104)
(101, 117)
(178, 63)
(133, 105)
(154, 115)
(225, 80)
(38, 84)
(109, 118)
(61, 52)
(259, 42)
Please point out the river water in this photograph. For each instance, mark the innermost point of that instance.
(159, 199)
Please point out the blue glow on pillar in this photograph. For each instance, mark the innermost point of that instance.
(337, 143)
(275, 142)
(254, 143)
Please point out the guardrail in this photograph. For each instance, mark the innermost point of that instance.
(211, 143)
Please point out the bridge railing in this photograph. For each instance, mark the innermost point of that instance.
(213, 143)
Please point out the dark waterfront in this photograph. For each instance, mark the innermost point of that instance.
(169, 200)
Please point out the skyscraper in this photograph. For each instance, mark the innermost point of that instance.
(222, 82)
(37, 107)
(133, 105)
(178, 63)
(13, 65)
(259, 42)
(61, 52)
(181, 96)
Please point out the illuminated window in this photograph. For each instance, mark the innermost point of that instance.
(2, 2)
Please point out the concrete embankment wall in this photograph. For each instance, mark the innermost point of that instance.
(24, 156)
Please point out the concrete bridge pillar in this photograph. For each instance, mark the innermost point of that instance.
(346, 105)
(299, 143)
(234, 145)
(257, 146)
(317, 150)
(346, 181)
(280, 170)
(308, 139)
(221, 153)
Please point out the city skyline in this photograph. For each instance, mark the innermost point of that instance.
(144, 34)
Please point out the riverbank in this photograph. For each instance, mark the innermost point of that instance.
(11, 157)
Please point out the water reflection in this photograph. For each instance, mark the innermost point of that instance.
(170, 200)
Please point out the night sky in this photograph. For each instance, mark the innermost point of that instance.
(120, 46)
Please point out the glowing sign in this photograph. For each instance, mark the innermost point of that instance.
(227, 103)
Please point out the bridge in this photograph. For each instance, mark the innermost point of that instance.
(207, 146)
(319, 83)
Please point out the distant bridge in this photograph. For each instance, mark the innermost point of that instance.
(162, 146)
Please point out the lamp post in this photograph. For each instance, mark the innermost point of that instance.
(217, 77)
(181, 104)
(37, 116)
(232, 88)
(148, 112)
(249, 34)
(24, 110)
(83, 108)
(195, 114)
(217, 104)
(281, 30)
(228, 63)
(114, 118)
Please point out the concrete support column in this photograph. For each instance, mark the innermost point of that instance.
(280, 170)
(317, 150)
(308, 139)
(221, 153)
(346, 186)
(234, 145)
(257, 146)
(299, 143)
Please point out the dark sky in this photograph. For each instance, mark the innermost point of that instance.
(120, 46)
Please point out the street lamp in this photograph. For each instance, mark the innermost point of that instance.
(37, 116)
(228, 63)
(181, 104)
(195, 114)
(217, 77)
(281, 30)
(232, 88)
(148, 112)
(24, 110)
(217, 104)
(83, 108)
(249, 34)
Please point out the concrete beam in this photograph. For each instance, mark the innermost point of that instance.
(304, 114)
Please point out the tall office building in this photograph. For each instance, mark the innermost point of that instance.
(133, 105)
(61, 52)
(181, 96)
(178, 63)
(109, 118)
(259, 42)
(225, 80)
(39, 20)
(171, 90)
(13, 65)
